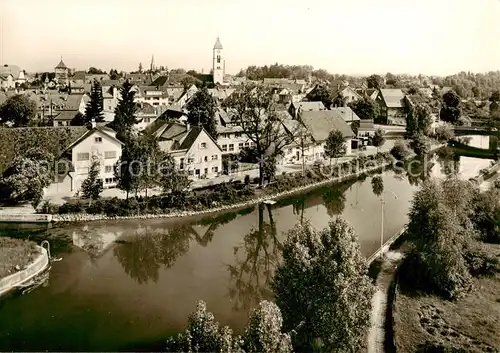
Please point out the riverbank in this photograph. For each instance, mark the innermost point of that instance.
(15, 254)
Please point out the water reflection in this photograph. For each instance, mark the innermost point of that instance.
(377, 185)
(255, 260)
(449, 161)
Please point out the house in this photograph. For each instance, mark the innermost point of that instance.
(186, 96)
(231, 137)
(192, 148)
(311, 138)
(220, 94)
(75, 161)
(89, 78)
(76, 88)
(297, 107)
(366, 128)
(110, 97)
(152, 96)
(348, 94)
(392, 106)
(146, 114)
(7, 81)
(347, 114)
(18, 75)
(70, 106)
(372, 93)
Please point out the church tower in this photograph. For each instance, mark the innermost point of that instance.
(218, 63)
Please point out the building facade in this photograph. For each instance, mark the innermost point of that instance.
(219, 64)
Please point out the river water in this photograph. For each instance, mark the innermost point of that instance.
(127, 285)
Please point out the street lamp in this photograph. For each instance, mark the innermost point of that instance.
(382, 219)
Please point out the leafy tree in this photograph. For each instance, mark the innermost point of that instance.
(374, 81)
(355, 127)
(258, 116)
(400, 150)
(444, 132)
(334, 201)
(320, 94)
(420, 145)
(114, 74)
(92, 186)
(173, 181)
(418, 120)
(378, 139)
(201, 111)
(323, 290)
(93, 71)
(27, 176)
(440, 230)
(495, 96)
(450, 110)
(18, 110)
(140, 68)
(487, 215)
(125, 112)
(263, 334)
(335, 145)
(151, 157)
(94, 108)
(411, 124)
(377, 185)
(365, 108)
(128, 169)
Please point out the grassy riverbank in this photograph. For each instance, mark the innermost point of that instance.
(470, 323)
(15, 254)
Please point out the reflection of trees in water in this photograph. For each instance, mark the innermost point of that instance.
(418, 170)
(449, 161)
(153, 248)
(377, 185)
(334, 201)
(255, 261)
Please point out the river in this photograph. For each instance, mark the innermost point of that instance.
(127, 285)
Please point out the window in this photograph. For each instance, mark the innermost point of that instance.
(109, 154)
(240, 145)
(247, 144)
(82, 156)
(215, 157)
(108, 169)
(190, 160)
(237, 134)
(205, 171)
(205, 159)
(190, 172)
(231, 147)
(218, 59)
(146, 120)
(110, 180)
(197, 172)
(98, 140)
(215, 169)
(181, 164)
(218, 67)
(203, 145)
(290, 150)
(224, 148)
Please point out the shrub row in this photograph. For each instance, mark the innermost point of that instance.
(214, 196)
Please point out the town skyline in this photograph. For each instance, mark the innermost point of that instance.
(436, 38)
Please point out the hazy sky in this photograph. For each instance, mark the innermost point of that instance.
(348, 36)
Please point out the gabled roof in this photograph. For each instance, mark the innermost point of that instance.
(218, 44)
(320, 123)
(346, 113)
(309, 106)
(393, 97)
(171, 131)
(66, 115)
(103, 129)
(61, 65)
(10, 69)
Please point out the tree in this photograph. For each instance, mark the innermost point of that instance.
(19, 110)
(320, 94)
(495, 96)
(173, 181)
(444, 132)
(377, 185)
(450, 109)
(487, 215)
(93, 71)
(378, 139)
(129, 168)
(125, 112)
(259, 118)
(411, 124)
(94, 108)
(78, 120)
(27, 176)
(140, 68)
(322, 288)
(355, 127)
(365, 108)
(201, 111)
(420, 145)
(114, 74)
(335, 145)
(263, 333)
(374, 81)
(92, 186)
(418, 120)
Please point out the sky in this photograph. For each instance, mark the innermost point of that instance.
(435, 37)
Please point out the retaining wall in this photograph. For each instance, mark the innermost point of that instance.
(26, 218)
(33, 269)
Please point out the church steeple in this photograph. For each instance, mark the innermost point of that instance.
(218, 63)
(218, 44)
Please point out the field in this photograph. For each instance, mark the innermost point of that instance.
(471, 323)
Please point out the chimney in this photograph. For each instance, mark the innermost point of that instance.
(93, 124)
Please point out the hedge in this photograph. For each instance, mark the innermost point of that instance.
(16, 141)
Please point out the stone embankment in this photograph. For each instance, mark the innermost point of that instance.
(32, 270)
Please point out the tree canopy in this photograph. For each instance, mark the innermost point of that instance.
(365, 108)
(125, 112)
(201, 111)
(18, 110)
(320, 94)
(94, 108)
(335, 145)
(450, 110)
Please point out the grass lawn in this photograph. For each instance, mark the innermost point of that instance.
(471, 323)
(15, 252)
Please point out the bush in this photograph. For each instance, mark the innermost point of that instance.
(71, 208)
(444, 132)
(400, 150)
(48, 208)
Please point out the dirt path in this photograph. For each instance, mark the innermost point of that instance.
(376, 334)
